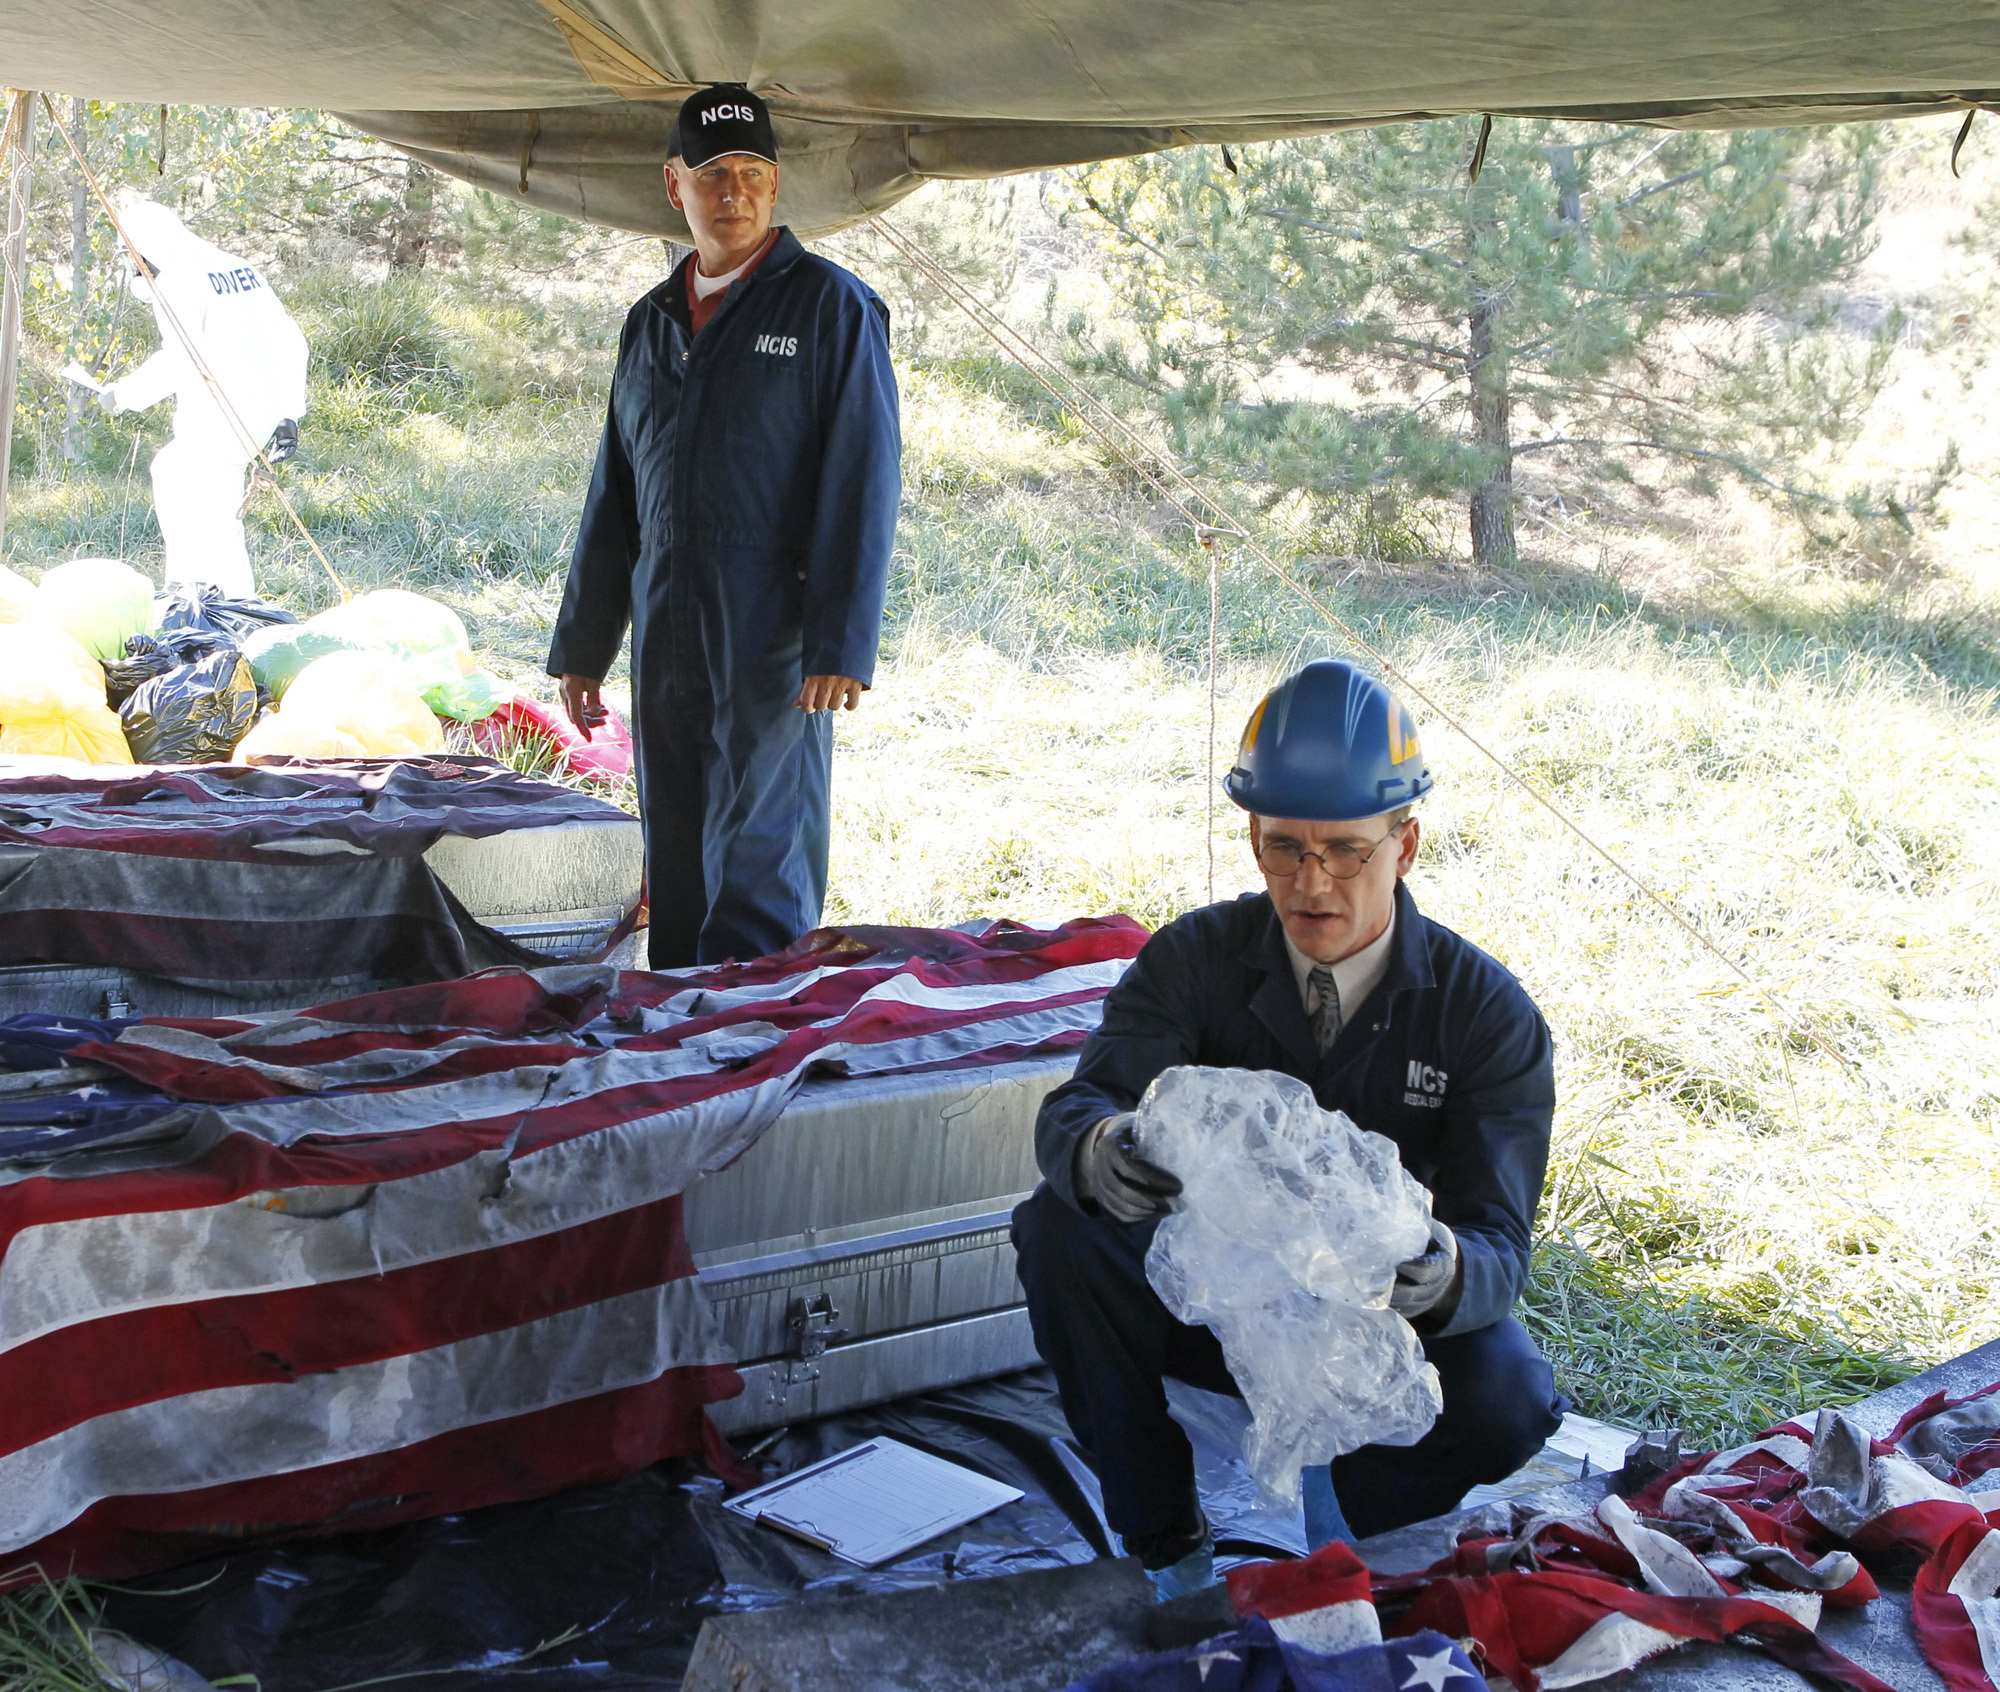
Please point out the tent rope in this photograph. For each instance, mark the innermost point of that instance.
(267, 470)
(1212, 543)
(1206, 514)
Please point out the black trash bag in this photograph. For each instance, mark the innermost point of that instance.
(193, 714)
(203, 608)
(144, 659)
(147, 656)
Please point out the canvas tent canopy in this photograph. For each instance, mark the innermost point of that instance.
(568, 103)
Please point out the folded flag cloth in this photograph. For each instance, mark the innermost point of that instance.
(1749, 1545)
(1256, 1659)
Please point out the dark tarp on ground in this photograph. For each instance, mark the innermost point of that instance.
(568, 102)
(635, 1567)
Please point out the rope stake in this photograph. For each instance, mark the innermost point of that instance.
(1212, 542)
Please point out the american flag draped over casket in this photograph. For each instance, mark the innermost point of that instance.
(421, 1250)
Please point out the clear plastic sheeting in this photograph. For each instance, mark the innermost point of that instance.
(1285, 1242)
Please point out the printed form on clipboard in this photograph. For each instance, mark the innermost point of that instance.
(874, 1501)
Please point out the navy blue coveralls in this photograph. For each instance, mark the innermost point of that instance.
(740, 517)
(1448, 1057)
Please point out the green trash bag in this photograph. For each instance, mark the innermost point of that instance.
(471, 698)
(97, 602)
(429, 638)
(276, 654)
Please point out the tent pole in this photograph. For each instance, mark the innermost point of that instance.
(20, 130)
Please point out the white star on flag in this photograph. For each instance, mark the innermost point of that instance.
(1202, 1661)
(1432, 1672)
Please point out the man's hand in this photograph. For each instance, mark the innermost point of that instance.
(829, 693)
(583, 704)
(1114, 1177)
(1424, 1282)
(107, 397)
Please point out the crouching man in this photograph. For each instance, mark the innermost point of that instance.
(1331, 975)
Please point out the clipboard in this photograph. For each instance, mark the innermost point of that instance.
(873, 1501)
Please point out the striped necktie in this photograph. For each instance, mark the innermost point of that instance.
(1326, 1020)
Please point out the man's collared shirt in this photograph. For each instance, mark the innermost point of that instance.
(1354, 977)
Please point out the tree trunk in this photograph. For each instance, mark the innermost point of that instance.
(1493, 500)
(1569, 188)
(79, 288)
(411, 243)
(17, 163)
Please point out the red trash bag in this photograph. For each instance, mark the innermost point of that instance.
(606, 755)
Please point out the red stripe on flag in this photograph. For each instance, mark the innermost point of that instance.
(1333, 1574)
(579, 1444)
(203, 1081)
(241, 1165)
(1007, 953)
(508, 1003)
(1524, 1622)
(1944, 1628)
(143, 1356)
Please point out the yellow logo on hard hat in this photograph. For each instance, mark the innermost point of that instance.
(1250, 729)
(1402, 738)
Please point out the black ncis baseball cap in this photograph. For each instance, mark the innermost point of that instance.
(726, 118)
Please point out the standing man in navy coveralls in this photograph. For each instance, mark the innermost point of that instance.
(1331, 975)
(740, 518)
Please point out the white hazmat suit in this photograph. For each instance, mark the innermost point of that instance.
(257, 355)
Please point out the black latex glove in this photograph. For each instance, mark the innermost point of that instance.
(1111, 1174)
(284, 441)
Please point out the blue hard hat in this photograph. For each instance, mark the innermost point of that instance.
(1329, 744)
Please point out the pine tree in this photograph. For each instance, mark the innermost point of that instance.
(1360, 312)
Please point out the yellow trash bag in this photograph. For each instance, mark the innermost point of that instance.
(278, 735)
(17, 596)
(367, 698)
(52, 697)
(97, 602)
(427, 636)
